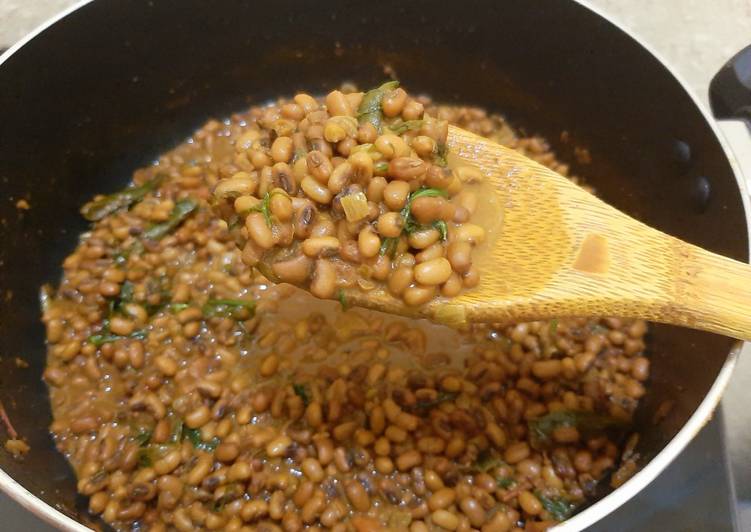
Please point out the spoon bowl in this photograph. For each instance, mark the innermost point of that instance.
(562, 252)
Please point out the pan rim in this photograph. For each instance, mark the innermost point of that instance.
(704, 412)
(601, 508)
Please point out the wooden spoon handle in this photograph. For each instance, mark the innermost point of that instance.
(711, 293)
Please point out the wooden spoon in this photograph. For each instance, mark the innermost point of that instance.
(563, 252)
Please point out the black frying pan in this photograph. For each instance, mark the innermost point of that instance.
(107, 88)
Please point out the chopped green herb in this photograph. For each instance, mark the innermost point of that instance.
(428, 193)
(370, 110)
(588, 423)
(302, 392)
(229, 308)
(439, 157)
(177, 307)
(180, 212)
(410, 224)
(300, 153)
(98, 209)
(194, 436)
(264, 208)
(143, 437)
(442, 397)
(442, 228)
(553, 329)
(122, 256)
(505, 482)
(381, 167)
(127, 292)
(234, 222)
(559, 508)
(265, 269)
(398, 127)
(388, 246)
(105, 337)
(144, 459)
(342, 299)
(176, 434)
(486, 461)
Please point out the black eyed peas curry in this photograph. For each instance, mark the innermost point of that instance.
(355, 191)
(189, 392)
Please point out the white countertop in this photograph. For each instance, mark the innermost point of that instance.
(695, 36)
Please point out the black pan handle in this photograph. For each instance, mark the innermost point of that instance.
(730, 89)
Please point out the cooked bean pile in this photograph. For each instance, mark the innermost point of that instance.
(189, 393)
(353, 192)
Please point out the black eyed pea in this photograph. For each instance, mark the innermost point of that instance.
(434, 251)
(439, 177)
(400, 280)
(368, 243)
(278, 446)
(294, 271)
(460, 256)
(433, 272)
(376, 189)
(307, 102)
(313, 470)
(362, 166)
(423, 145)
(281, 206)
(442, 498)
(244, 204)
(316, 191)
(453, 286)
(284, 178)
(445, 519)
(292, 111)
(381, 268)
(474, 511)
(282, 149)
(393, 102)
(438, 130)
(413, 110)
(407, 168)
(259, 231)
(338, 128)
(344, 147)
(246, 140)
(357, 496)
(422, 238)
(529, 503)
(340, 177)
(391, 146)
(198, 417)
(390, 225)
(468, 174)
(323, 284)
(366, 133)
(354, 99)
(337, 104)
(418, 295)
(319, 166)
(318, 246)
(240, 184)
(472, 233)
(122, 326)
(468, 200)
(395, 194)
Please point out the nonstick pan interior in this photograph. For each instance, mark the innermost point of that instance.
(112, 85)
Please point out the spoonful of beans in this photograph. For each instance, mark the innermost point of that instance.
(405, 214)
